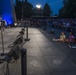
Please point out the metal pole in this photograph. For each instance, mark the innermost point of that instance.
(7, 69)
(22, 9)
(2, 38)
(2, 41)
(23, 61)
(26, 32)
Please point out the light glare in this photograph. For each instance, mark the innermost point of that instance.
(38, 6)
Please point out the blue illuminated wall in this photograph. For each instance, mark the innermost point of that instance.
(6, 11)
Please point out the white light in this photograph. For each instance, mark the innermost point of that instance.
(38, 6)
(15, 24)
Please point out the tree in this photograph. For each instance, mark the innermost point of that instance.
(0, 12)
(23, 9)
(28, 10)
(18, 9)
(47, 10)
(62, 13)
(68, 10)
(37, 11)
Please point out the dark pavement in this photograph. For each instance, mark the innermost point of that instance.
(44, 57)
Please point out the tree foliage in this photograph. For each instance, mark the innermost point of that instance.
(46, 10)
(18, 9)
(68, 10)
(37, 11)
(28, 9)
(25, 9)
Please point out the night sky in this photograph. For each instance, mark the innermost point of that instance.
(54, 4)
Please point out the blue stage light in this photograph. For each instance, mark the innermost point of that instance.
(6, 11)
(8, 19)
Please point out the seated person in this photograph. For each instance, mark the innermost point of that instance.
(70, 40)
(62, 38)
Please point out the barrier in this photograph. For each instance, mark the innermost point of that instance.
(19, 39)
(14, 55)
(23, 61)
(27, 24)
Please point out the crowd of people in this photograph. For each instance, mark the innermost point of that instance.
(67, 24)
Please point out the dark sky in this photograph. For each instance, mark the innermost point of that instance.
(54, 4)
